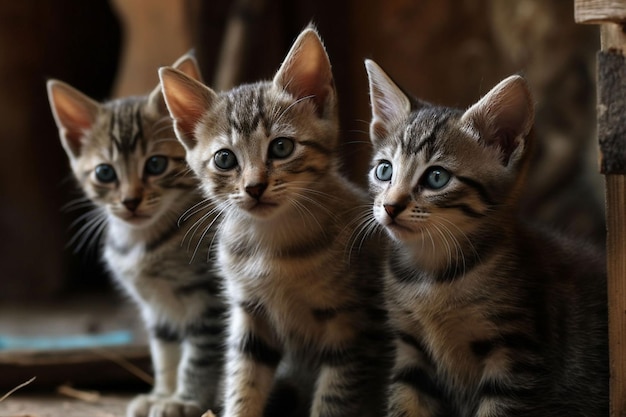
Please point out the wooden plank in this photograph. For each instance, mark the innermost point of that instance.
(616, 286)
(612, 140)
(599, 11)
(612, 100)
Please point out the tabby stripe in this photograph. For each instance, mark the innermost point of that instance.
(252, 307)
(480, 189)
(309, 247)
(209, 345)
(164, 237)
(317, 146)
(491, 388)
(482, 348)
(139, 137)
(465, 209)
(338, 356)
(205, 361)
(403, 273)
(165, 333)
(479, 254)
(527, 368)
(520, 341)
(419, 380)
(324, 314)
(429, 140)
(428, 143)
(207, 286)
(412, 341)
(260, 351)
(205, 329)
(336, 400)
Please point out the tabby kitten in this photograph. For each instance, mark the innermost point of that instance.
(297, 283)
(129, 164)
(492, 317)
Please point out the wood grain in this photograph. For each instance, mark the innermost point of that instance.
(599, 11)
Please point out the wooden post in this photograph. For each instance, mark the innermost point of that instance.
(611, 15)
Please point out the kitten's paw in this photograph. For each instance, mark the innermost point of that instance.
(174, 407)
(140, 406)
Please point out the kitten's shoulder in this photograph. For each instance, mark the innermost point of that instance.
(564, 251)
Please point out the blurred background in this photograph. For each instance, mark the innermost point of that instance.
(445, 51)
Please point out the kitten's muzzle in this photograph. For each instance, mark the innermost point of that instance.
(394, 209)
(256, 190)
(131, 203)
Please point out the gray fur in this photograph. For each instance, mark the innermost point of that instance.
(303, 284)
(493, 317)
(146, 250)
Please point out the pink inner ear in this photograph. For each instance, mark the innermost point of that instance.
(306, 71)
(187, 101)
(76, 115)
(316, 85)
(506, 141)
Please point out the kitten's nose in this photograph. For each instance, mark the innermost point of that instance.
(394, 209)
(256, 190)
(131, 203)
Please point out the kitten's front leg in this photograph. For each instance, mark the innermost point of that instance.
(252, 358)
(413, 391)
(200, 369)
(351, 382)
(165, 354)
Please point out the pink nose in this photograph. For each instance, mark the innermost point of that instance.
(394, 209)
(131, 203)
(256, 190)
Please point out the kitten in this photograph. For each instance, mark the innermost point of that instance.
(129, 164)
(492, 317)
(299, 281)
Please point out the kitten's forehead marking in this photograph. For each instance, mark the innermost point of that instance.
(125, 129)
(422, 133)
(245, 108)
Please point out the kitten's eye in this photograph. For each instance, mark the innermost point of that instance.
(105, 173)
(225, 159)
(436, 178)
(281, 148)
(384, 170)
(156, 165)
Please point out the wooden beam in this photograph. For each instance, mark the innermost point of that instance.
(612, 139)
(611, 14)
(599, 11)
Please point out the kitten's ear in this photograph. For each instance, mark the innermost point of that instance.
(504, 117)
(74, 114)
(306, 71)
(187, 101)
(389, 103)
(186, 64)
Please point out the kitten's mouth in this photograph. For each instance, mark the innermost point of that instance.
(135, 218)
(399, 231)
(261, 208)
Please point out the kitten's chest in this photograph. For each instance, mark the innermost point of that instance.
(294, 290)
(450, 326)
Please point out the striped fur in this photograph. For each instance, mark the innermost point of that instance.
(144, 247)
(492, 317)
(302, 284)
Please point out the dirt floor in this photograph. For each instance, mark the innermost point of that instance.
(58, 405)
(71, 382)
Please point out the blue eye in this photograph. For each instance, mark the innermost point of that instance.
(281, 148)
(156, 165)
(105, 173)
(225, 159)
(384, 170)
(436, 178)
